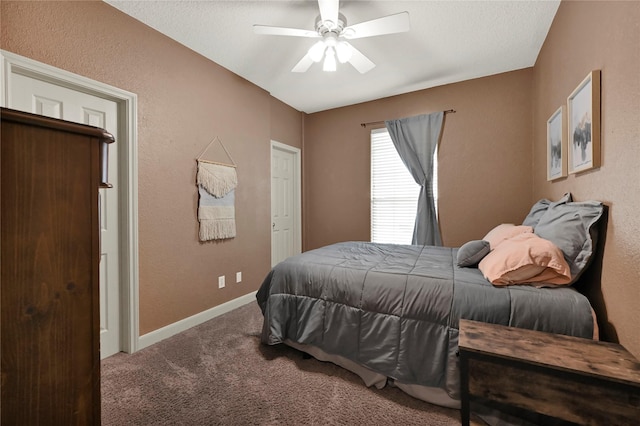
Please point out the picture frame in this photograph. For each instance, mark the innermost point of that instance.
(583, 122)
(556, 145)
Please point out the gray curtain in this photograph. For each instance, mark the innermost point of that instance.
(416, 139)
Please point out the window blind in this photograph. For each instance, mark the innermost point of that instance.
(394, 193)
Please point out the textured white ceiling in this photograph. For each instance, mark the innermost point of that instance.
(449, 41)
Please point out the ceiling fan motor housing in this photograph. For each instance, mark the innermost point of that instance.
(323, 27)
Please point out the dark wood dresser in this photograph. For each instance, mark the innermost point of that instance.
(49, 259)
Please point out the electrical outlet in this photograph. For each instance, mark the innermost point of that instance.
(221, 282)
(238, 277)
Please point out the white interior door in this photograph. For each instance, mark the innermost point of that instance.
(285, 202)
(43, 98)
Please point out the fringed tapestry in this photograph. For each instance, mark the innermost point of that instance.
(216, 202)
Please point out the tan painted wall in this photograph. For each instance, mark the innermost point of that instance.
(286, 124)
(586, 36)
(184, 100)
(484, 159)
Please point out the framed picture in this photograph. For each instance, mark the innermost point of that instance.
(556, 146)
(583, 116)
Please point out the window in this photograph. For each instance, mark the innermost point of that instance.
(394, 192)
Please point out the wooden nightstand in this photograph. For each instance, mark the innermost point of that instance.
(578, 380)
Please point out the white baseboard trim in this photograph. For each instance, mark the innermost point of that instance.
(185, 324)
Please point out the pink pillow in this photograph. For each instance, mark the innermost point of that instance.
(526, 258)
(504, 231)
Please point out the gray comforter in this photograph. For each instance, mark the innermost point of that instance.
(395, 309)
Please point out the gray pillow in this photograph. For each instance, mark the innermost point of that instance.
(540, 208)
(471, 253)
(570, 226)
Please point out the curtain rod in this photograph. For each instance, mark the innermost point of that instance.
(449, 111)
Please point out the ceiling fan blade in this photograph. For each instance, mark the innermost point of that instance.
(329, 10)
(360, 62)
(282, 31)
(304, 64)
(391, 24)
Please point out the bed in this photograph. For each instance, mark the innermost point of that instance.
(390, 313)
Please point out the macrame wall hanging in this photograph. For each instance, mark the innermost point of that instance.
(216, 183)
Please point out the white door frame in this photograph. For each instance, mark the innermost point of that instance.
(128, 173)
(297, 187)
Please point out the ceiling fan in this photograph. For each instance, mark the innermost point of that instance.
(331, 27)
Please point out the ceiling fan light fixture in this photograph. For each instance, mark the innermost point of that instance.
(344, 52)
(331, 27)
(329, 60)
(316, 52)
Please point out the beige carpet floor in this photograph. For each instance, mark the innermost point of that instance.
(219, 373)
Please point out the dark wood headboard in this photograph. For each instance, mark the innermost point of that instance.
(590, 282)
